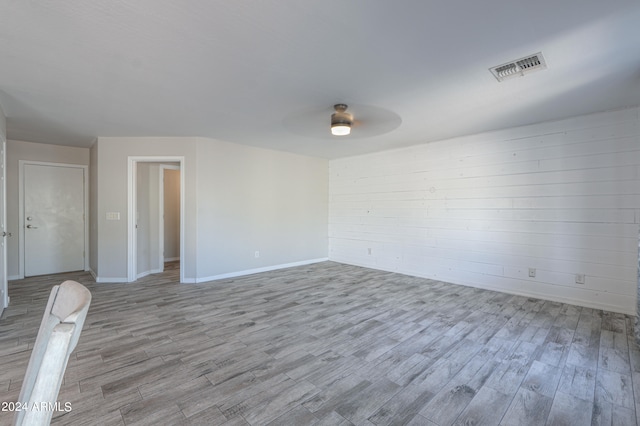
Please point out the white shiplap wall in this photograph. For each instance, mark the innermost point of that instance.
(561, 197)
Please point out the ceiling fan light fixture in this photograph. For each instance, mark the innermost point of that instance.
(341, 121)
(340, 129)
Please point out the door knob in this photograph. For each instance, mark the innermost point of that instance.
(32, 227)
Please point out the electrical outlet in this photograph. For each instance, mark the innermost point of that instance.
(579, 278)
(532, 272)
(256, 254)
(369, 250)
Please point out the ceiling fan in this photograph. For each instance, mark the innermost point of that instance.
(360, 121)
(341, 121)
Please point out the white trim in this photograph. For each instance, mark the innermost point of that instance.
(131, 210)
(258, 270)
(13, 277)
(161, 217)
(146, 273)
(111, 280)
(85, 174)
(4, 303)
(171, 259)
(106, 280)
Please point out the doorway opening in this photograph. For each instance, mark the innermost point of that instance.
(146, 216)
(169, 217)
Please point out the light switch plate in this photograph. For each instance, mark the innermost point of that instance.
(113, 215)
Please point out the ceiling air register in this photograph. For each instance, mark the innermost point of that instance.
(519, 67)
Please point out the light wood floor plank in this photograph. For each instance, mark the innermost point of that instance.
(328, 344)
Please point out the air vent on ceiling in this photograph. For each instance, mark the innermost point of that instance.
(519, 67)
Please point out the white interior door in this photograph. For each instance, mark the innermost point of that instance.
(54, 229)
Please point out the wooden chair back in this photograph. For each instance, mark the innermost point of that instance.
(57, 337)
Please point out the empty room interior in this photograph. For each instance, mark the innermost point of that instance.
(325, 212)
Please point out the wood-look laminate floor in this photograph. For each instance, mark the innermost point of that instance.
(328, 344)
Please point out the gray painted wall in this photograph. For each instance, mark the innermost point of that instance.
(111, 235)
(252, 199)
(239, 200)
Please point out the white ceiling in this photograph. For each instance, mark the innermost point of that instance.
(267, 72)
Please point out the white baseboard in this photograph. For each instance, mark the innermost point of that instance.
(171, 259)
(144, 274)
(14, 277)
(255, 271)
(111, 280)
(216, 277)
(118, 279)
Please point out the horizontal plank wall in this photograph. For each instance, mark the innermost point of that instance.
(535, 210)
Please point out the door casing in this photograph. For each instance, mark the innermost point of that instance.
(21, 165)
(4, 299)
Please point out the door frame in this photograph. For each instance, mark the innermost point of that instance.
(163, 167)
(4, 303)
(132, 245)
(85, 174)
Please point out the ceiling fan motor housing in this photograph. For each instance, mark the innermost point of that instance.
(341, 117)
